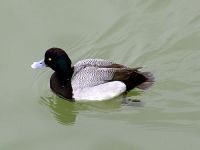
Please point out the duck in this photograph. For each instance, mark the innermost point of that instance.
(91, 79)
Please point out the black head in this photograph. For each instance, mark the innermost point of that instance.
(58, 60)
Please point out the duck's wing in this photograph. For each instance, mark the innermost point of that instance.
(89, 76)
(93, 72)
(97, 63)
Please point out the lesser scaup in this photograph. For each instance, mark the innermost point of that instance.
(91, 79)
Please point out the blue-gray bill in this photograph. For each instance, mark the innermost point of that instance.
(38, 64)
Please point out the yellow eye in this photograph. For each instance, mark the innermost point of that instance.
(49, 59)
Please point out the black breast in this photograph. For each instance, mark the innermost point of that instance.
(61, 86)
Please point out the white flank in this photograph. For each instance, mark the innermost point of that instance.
(100, 92)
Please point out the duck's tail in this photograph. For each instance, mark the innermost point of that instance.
(149, 81)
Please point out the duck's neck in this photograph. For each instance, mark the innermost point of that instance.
(60, 84)
(65, 75)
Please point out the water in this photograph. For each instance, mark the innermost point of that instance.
(162, 36)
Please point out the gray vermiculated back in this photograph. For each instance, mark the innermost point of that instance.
(87, 73)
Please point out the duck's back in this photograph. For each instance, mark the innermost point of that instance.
(92, 72)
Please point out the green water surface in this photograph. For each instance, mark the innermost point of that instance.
(163, 36)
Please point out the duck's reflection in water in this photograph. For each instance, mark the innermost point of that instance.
(65, 112)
